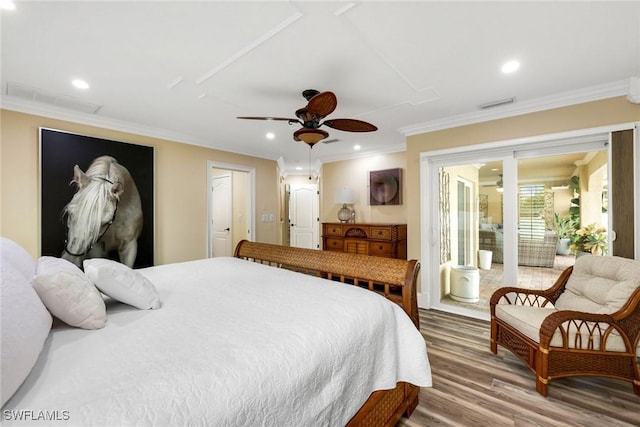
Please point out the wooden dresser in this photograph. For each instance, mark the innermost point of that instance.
(385, 240)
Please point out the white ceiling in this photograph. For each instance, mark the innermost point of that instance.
(185, 70)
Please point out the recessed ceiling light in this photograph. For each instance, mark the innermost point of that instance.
(80, 84)
(356, 147)
(7, 5)
(298, 168)
(510, 66)
(270, 135)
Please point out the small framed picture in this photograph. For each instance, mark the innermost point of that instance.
(385, 187)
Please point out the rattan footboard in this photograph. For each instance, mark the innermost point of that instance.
(393, 278)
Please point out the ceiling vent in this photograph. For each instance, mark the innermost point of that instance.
(63, 101)
(497, 103)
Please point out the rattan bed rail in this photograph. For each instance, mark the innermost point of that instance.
(393, 278)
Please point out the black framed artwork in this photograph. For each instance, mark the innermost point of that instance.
(107, 169)
(385, 187)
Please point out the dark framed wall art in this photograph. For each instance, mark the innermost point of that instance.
(60, 152)
(385, 187)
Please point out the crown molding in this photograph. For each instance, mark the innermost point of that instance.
(362, 154)
(37, 109)
(564, 99)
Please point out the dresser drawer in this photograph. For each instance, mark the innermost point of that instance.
(380, 249)
(356, 246)
(334, 245)
(380, 233)
(377, 239)
(333, 230)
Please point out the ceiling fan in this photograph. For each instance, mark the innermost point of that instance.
(320, 105)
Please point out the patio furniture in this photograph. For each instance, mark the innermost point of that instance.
(586, 324)
(531, 252)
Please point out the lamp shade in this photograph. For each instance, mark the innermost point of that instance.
(310, 136)
(345, 196)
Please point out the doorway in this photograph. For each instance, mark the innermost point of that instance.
(304, 216)
(518, 193)
(231, 201)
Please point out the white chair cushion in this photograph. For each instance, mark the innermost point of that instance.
(600, 284)
(122, 283)
(68, 294)
(525, 319)
(528, 320)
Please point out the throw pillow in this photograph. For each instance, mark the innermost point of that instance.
(68, 294)
(122, 283)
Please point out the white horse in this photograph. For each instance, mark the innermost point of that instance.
(104, 214)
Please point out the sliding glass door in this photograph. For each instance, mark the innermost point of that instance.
(502, 217)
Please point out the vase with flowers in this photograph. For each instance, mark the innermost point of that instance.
(590, 239)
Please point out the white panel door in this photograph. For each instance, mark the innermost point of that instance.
(303, 214)
(221, 200)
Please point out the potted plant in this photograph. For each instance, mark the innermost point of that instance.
(590, 239)
(564, 228)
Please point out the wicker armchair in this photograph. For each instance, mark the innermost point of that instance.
(586, 324)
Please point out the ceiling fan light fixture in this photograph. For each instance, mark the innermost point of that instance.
(310, 136)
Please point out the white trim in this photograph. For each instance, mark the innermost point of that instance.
(452, 308)
(396, 148)
(424, 297)
(550, 138)
(564, 99)
(34, 108)
(211, 164)
(636, 191)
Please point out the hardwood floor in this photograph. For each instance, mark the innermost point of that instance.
(474, 387)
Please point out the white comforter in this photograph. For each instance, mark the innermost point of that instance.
(235, 343)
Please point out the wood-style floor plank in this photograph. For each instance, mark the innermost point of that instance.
(474, 387)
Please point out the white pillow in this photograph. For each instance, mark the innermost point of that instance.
(18, 257)
(68, 294)
(122, 283)
(25, 325)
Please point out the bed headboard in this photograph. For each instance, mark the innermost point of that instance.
(393, 278)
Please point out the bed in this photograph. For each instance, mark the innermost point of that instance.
(219, 341)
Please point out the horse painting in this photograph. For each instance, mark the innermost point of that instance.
(104, 215)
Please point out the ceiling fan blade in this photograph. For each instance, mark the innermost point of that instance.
(269, 118)
(322, 104)
(350, 125)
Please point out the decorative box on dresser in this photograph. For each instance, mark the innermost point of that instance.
(385, 240)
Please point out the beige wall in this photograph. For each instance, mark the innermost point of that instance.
(180, 186)
(588, 115)
(354, 174)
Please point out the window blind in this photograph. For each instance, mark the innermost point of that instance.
(531, 224)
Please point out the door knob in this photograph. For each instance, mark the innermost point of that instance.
(227, 229)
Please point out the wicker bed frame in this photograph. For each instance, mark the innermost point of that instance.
(393, 278)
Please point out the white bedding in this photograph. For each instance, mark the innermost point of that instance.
(234, 343)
